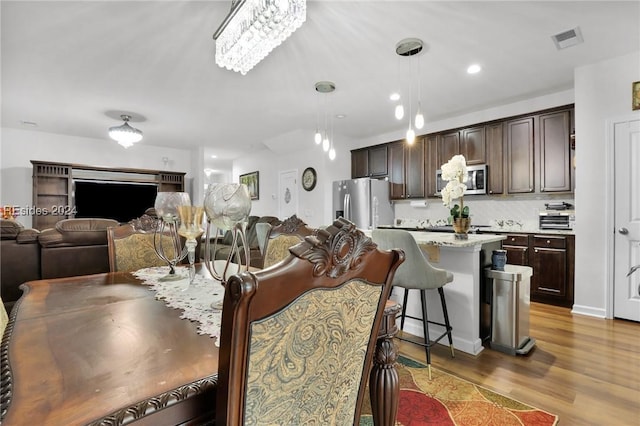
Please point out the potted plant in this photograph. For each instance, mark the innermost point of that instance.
(455, 172)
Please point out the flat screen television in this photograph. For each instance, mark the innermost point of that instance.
(121, 201)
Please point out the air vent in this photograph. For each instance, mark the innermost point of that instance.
(568, 38)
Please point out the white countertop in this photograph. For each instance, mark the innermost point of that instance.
(448, 239)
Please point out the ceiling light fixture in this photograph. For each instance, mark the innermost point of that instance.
(474, 69)
(325, 136)
(410, 47)
(124, 134)
(253, 28)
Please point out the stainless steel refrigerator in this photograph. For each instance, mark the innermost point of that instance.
(363, 201)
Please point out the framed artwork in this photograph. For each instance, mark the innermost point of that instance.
(635, 95)
(252, 180)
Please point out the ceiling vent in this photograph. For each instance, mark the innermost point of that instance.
(568, 38)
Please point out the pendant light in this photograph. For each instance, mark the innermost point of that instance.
(324, 136)
(410, 47)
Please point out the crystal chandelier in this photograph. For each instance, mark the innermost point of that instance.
(124, 134)
(253, 28)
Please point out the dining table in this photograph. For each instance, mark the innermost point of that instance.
(106, 349)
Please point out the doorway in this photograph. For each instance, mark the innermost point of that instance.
(626, 218)
(287, 194)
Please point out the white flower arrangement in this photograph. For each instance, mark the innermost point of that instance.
(455, 171)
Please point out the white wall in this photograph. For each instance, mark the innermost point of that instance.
(603, 92)
(314, 207)
(19, 147)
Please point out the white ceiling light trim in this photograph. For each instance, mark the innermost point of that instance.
(124, 134)
(253, 28)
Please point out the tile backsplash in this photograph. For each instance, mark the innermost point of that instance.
(508, 214)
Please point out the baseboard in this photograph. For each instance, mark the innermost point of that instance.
(589, 311)
(465, 345)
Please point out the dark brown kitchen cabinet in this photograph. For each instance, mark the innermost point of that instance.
(495, 158)
(369, 162)
(517, 247)
(555, 152)
(472, 145)
(448, 146)
(395, 153)
(414, 169)
(552, 259)
(519, 151)
(431, 161)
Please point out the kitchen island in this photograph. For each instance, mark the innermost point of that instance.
(466, 298)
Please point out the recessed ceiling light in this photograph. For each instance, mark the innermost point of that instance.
(214, 156)
(474, 69)
(394, 96)
(341, 116)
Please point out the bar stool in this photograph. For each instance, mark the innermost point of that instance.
(416, 273)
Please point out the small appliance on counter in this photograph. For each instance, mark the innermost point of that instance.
(557, 219)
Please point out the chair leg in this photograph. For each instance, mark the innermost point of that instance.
(404, 308)
(446, 319)
(425, 329)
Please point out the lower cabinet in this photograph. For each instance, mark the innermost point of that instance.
(552, 258)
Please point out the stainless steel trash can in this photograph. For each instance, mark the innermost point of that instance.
(510, 309)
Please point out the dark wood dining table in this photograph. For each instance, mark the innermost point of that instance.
(101, 350)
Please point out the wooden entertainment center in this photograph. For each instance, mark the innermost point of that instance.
(53, 186)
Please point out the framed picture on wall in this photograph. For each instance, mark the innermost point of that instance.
(252, 180)
(635, 95)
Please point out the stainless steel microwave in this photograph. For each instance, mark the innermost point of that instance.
(476, 183)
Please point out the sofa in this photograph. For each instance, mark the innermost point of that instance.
(223, 243)
(72, 247)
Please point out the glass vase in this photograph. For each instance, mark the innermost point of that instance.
(461, 227)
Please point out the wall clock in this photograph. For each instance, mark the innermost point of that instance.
(309, 178)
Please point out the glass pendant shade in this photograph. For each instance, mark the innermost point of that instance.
(399, 112)
(411, 136)
(124, 134)
(326, 145)
(332, 154)
(254, 28)
(419, 121)
(318, 138)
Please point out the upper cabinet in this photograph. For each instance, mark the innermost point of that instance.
(519, 153)
(526, 154)
(473, 145)
(407, 169)
(369, 162)
(495, 157)
(555, 152)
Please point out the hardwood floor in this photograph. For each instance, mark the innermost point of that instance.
(585, 370)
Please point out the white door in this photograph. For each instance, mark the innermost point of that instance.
(626, 300)
(288, 194)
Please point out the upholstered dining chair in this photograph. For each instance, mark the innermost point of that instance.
(131, 245)
(280, 237)
(297, 339)
(416, 273)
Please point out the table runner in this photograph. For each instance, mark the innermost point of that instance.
(195, 299)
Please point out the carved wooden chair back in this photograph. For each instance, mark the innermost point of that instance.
(282, 237)
(297, 339)
(131, 245)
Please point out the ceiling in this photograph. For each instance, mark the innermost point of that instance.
(73, 67)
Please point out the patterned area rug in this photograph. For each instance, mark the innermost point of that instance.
(446, 400)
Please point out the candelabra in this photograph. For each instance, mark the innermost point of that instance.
(166, 234)
(227, 207)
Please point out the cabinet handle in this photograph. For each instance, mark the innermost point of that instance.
(535, 251)
(548, 242)
(513, 239)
